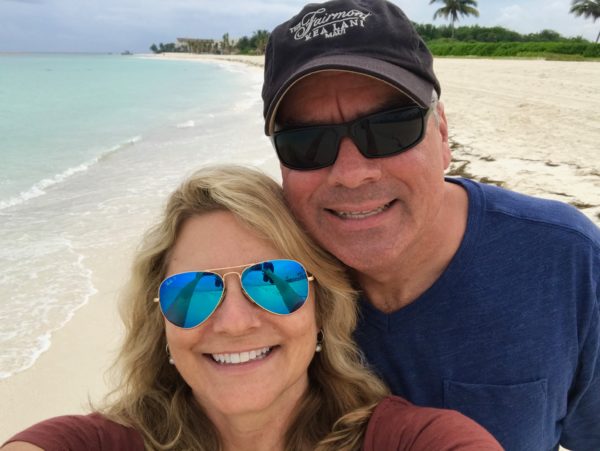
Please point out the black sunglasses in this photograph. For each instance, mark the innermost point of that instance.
(378, 135)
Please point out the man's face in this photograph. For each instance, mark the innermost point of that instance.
(370, 213)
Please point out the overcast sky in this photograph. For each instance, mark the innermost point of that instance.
(117, 25)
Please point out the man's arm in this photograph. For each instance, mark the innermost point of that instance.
(581, 426)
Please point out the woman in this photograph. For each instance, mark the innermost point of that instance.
(239, 337)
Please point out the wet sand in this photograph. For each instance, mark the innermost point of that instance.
(532, 126)
(528, 125)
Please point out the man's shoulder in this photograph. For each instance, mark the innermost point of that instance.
(529, 211)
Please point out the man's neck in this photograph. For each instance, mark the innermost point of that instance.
(423, 263)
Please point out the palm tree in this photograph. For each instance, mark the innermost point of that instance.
(259, 39)
(453, 8)
(587, 8)
(226, 44)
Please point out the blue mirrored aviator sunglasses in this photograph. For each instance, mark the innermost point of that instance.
(378, 135)
(277, 286)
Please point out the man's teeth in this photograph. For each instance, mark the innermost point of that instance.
(360, 214)
(242, 357)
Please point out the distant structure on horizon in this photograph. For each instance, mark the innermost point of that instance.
(194, 45)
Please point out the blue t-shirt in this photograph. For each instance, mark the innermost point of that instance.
(509, 334)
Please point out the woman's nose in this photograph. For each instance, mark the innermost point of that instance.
(236, 315)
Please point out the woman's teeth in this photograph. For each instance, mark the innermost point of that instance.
(242, 357)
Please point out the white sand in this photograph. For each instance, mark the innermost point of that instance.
(72, 371)
(531, 125)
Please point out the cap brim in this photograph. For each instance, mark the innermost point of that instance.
(411, 85)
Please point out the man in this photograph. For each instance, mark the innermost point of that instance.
(474, 298)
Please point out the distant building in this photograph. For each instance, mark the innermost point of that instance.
(192, 45)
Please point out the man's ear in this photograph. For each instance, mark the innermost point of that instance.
(442, 124)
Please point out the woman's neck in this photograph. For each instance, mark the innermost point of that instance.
(263, 429)
(265, 437)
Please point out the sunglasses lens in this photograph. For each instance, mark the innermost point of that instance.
(307, 148)
(188, 299)
(279, 286)
(389, 133)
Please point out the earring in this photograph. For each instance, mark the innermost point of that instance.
(320, 337)
(171, 361)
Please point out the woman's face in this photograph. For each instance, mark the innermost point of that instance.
(274, 379)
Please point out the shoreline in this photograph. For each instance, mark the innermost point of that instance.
(103, 212)
(72, 372)
(513, 123)
(529, 125)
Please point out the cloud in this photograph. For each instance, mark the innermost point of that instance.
(510, 13)
(31, 2)
(114, 25)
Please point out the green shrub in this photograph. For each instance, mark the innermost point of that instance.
(549, 49)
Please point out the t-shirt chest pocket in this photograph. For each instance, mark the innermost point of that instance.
(515, 414)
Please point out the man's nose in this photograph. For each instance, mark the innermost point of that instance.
(236, 315)
(351, 169)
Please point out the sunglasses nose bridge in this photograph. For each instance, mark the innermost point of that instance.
(356, 132)
(241, 285)
(238, 273)
(342, 131)
(350, 132)
(224, 277)
(234, 316)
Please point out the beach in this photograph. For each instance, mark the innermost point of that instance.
(528, 125)
(66, 242)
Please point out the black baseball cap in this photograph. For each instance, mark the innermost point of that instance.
(370, 37)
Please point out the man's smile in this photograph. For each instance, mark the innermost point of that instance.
(360, 214)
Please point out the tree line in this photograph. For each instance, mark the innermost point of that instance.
(246, 45)
(442, 40)
(476, 33)
(452, 9)
(500, 42)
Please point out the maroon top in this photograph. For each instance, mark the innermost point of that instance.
(396, 425)
(81, 432)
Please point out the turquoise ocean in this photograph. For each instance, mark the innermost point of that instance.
(90, 145)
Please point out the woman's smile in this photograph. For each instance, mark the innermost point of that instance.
(236, 358)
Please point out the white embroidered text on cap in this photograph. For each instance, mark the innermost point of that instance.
(320, 23)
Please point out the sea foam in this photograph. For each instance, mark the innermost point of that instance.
(39, 188)
(86, 200)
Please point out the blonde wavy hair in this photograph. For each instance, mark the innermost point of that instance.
(153, 398)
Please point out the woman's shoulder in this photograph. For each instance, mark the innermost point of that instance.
(396, 424)
(81, 432)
